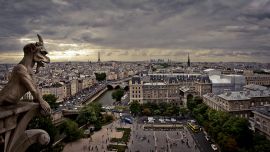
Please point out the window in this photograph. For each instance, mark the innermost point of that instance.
(241, 107)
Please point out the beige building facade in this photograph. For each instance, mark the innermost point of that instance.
(258, 79)
(154, 91)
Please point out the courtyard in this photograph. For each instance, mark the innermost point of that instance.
(160, 141)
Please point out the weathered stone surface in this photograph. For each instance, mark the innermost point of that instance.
(13, 122)
(9, 114)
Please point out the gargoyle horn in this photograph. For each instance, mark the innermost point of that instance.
(40, 39)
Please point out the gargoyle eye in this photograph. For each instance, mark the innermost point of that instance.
(43, 52)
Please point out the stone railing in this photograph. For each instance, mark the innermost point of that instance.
(13, 122)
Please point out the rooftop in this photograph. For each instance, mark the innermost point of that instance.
(255, 87)
(234, 96)
(264, 110)
(207, 70)
(155, 83)
(218, 79)
(244, 95)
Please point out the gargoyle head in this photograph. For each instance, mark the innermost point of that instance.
(38, 52)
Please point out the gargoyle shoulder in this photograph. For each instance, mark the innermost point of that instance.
(19, 68)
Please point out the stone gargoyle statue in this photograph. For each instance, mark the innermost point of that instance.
(22, 77)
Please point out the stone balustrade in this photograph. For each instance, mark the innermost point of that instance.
(13, 122)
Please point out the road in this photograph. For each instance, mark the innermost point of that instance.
(73, 102)
(203, 144)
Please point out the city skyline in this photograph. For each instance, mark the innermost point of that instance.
(214, 31)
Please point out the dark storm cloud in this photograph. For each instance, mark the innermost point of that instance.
(225, 27)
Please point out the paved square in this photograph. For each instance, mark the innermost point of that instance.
(160, 141)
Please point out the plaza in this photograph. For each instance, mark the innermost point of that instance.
(160, 141)
(140, 140)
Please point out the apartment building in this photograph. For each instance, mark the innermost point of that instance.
(167, 91)
(56, 89)
(238, 103)
(258, 79)
(262, 120)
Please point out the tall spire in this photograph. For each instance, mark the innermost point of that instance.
(188, 61)
(98, 56)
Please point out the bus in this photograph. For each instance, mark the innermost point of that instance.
(193, 126)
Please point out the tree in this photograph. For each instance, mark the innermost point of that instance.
(71, 130)
(146, 111)
(191, 104)
(118, 94)
(45, 123)
(157, 112)
(107, 118)
(126, 88)
(189, 97)
(135, 107)
(164, 65)
(89, 114)
(239, 128)
(198, 100)
(260, 143)
(183, 111)
(227, 143)
(100, 76)
(51, 99)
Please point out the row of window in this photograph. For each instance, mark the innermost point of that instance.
(136, 96)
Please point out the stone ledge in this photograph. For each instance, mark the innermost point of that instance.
(9, 114)
(6, 111)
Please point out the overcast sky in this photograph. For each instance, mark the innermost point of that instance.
(75, 30)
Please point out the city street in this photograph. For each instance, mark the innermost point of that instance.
(73, 102)
(202, 143)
